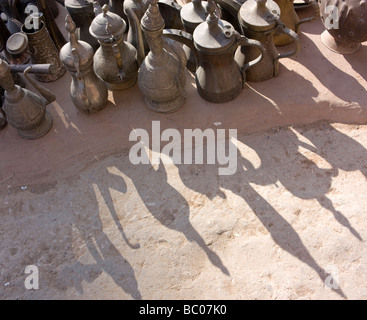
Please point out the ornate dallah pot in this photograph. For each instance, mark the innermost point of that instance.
(25, 110)
(115, 61)
(88, 92)
(346, 24)
(162, 76)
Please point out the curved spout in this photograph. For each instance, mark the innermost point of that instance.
(46, 94)
(138, 35)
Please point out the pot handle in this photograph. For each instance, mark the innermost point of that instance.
(117, 52)
(281, 28)
(244, 41)
(183, 37)
(316, 11)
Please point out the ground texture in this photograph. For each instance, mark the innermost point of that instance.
(289, 224)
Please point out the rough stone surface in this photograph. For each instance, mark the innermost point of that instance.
(290, 219)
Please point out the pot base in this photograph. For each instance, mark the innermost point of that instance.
(337, 46)
(166, 106)
(39, 131)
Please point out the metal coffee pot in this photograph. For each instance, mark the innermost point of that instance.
(51, 25)
(42, 49)
(291, 20)
(88, 92)
(219, 77)
(162, 75)
(82, 13)
(115, 62)
(260, 20)
(25, 110)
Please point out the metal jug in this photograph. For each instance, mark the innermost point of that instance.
(162, 75)
(115, 62)
(260, 20)
(291, 20)
(88, 92)
(219, 78)
(51, 25)
(82, 13)
(25, 110)
(42, 49)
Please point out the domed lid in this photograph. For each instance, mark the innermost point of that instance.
(17, 43)
(259, 15)
(75, 50)
(77, 3)
(152, 19)
(194, 12)
(214, 35)
(107, 24)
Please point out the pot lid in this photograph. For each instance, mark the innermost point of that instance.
(107, 24)
(259, 15)
(214, 35)
(17, 43)
(77, 3)
(75, 47)
(152, 19)
(194, 13)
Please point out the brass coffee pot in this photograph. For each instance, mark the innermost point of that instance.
(115, 62)
(291, 20)
(88, 92)
(25, 110)
(219, 77)
(162, 75)
(51, 25)
(260, 20)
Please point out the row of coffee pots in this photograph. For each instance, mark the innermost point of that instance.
(221, 57)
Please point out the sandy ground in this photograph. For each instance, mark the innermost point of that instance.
(289, 224)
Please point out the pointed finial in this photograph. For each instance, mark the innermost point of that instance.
(71, 29)
(105, 10)
(212, 18)
(211, 9)
(152, 19)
